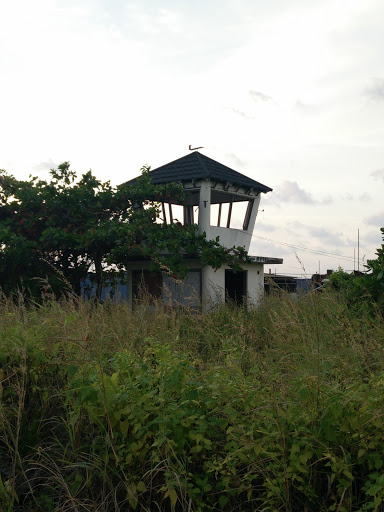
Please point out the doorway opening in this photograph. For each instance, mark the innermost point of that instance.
(146, 285)
(236, 286)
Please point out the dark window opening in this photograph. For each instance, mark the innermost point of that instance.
(235, 286)
(146, 284)
(233, 214)
(188, 215)
(176, 214)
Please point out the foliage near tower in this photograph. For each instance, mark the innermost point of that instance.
(58, 231)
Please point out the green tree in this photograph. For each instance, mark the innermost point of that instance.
(373, 281)
(63, 229)
(364, 292)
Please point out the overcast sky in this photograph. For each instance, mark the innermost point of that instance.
(287, 92)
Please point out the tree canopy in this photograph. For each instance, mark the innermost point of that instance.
(56, 232)
(364, 290)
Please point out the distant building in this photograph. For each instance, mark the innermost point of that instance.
(303, 284)
(320, 279)
(276, 282)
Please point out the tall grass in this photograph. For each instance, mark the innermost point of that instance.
(104, 409)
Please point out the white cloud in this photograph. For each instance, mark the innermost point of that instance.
(322, 236)
(376, 219)
(364, 197)
(304, 108)
(290, 191)
(237, 162)
(242, 114)
(374, 238)
(375, 90)
(153, 22)
(263, 226)
(260, 96)
(378, 174)
(113, 85)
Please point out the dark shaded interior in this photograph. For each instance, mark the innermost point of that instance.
(235, 286)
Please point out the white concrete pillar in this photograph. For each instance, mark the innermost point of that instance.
(254, 212)
(205, 207)
(255, 284)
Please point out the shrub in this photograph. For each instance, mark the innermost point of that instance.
(279, 408)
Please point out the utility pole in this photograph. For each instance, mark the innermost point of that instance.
(358, 250)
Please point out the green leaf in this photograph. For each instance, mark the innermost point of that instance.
(124, 427)
(223, 500)
(348, 474)
(115, 379)
(360, 453)
(141, 486)
(159, 441)
(173, 496)
(72, 370)
(295, 448)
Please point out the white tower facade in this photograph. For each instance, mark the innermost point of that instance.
(223, 203)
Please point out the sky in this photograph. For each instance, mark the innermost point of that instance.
(287, 92)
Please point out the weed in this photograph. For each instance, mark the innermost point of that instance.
(104, 409)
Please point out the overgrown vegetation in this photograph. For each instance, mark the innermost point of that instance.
(364, 292)
(105, 409)
(54, 233)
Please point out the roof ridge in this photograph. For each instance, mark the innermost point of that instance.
(211, 160)
(240, 174)
(202, 163)
(170, 163)
(199, 166)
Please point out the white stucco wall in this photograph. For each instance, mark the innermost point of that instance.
(212, 287)
(230, 237)
(255, 283)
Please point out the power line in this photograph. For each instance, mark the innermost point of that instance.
(322, 253)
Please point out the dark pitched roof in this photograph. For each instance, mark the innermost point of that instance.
(197, 166)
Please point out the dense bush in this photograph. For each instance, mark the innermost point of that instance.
(365, 291)
(279, 408)
(56, 233)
